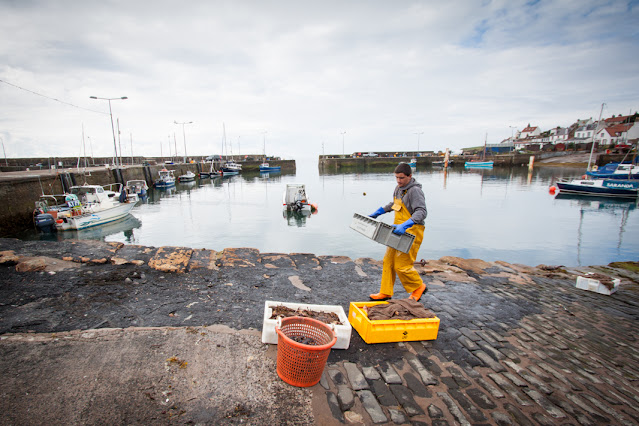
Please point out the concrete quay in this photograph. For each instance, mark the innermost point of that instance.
(105, 333)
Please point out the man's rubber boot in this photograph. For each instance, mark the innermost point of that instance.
(379, 297)
(417, 294)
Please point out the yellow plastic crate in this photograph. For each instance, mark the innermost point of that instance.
(384, 331)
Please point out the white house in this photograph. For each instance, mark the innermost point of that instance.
(558, 135)
(632, 136)
(529, 131)
(615, 134)
(585, 132)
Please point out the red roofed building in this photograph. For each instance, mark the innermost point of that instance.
(615, 134)
(617, 120)
(529, 131)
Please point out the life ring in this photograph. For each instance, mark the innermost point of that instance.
(594, 168)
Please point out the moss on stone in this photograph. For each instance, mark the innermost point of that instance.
(630, 266)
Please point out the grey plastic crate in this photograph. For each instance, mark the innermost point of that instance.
(382, 233)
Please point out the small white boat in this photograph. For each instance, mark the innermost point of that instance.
(189, 176)
(295, 198)
(137, 187)
(166, 178)
(83, 207)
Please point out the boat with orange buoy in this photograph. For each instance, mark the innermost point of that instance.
(617, 188)
(610, 184)
(295, 199)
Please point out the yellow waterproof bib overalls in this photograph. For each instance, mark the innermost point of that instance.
(397, 263)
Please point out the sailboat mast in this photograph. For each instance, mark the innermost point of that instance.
(483, 155)
(592, 148)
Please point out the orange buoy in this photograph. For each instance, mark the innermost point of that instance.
(552, 189)
(583, 176)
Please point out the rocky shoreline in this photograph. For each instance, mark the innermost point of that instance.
(95, 332)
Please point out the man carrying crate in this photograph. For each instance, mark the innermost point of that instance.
(409, 205)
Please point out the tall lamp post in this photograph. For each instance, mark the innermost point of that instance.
(115, 146)
(184, 135)
(343, 133)
(512, 129)
(418, 135)
(6, 163)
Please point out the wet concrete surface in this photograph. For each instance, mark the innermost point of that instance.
(516, 344)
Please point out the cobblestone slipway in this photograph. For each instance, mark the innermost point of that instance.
(517, 345)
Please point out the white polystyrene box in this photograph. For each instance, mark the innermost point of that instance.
(596, 286)
(343, 330)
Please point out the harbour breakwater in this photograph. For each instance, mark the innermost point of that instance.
(332, 163)
(20, 190)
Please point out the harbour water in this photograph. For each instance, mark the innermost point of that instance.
(499, 214)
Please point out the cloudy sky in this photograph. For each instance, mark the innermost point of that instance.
(298, 74)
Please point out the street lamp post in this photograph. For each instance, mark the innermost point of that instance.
(115, 147)
(343, 133)
(512, 128)
(183, 135)
(6, 163)
(418, 135)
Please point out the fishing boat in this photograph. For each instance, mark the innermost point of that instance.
(483, 164)
(82, 207)
(166, 179)
(231, 167)
(615, 171)
(189, 176)
(412, 162)
(600, 187)
(137, 187)
(265, 167)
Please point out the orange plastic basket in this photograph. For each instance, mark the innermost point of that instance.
(301, 364)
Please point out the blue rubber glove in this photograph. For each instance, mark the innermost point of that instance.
(380, 211)
(401, 229)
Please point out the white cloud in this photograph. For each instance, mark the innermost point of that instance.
(307, 71)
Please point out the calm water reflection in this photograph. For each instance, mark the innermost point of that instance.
(499, 214)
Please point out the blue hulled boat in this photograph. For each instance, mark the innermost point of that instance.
(620, 188)
(265, 167)
(615, 171)
(166, 179)
(478, 164)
